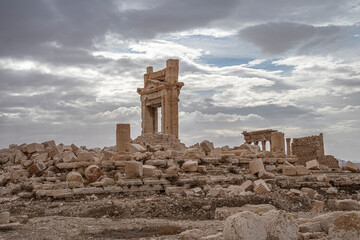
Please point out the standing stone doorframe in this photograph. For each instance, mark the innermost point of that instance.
(161, 89)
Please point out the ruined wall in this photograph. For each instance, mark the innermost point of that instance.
(312, 147)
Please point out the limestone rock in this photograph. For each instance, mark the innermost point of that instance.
(49, 144)
(280, 226)
(256, 166)
(74, 177)
(260, 187)
(313, 165)
(266, 175)
(244, 226)
(149, 170)
(36, 168)
(190, 166)
(69, 157)
(218, 236)
(193, 153)
(4, 217)
(251, 148)
(86, 157)
(35, 147)
(207, 146)
(234, 190)
(346, 205)
(93, 173)
(137, 148)
(157, 162)
(289, 170)
(225, 212)
(133, 169)
(174, 191)
(247, 185)
(346, 226)
(351, 166)
(215, 152)
(192, 234)
(301, 170)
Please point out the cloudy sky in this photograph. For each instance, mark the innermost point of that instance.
(69, 69)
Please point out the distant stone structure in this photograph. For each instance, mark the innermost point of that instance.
(312, 147)
(161, 89)
(275, 138)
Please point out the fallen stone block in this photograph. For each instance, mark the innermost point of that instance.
(69, 157)
(4, 217)
(149, 171)
(10, 226)
(35, 147)
(192, 234)
(301, 170)
(49, 144)
(256, 166)
(55, 151)
(218, 236)
(36, 168)
(313, 165)
(247, 185)
(137, 148)
(289, 170)
(133, 169)
(350, 166)
(206, 146)
(346, 205)
(260, 187)
(175, 191)
(190, 166)
(157, 163)
(225, 212)
(86, 157)
(280, 225)
(202, 169)
(266, 175)
(244, 225)
(346, 226)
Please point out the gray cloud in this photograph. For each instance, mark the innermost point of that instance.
(277, 38)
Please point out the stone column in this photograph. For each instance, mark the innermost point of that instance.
(277, 143)
(288, 148)
(263, 143)
(123, 138)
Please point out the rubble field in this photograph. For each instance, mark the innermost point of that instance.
(161, 189)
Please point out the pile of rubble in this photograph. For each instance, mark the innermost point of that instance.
(49, 171)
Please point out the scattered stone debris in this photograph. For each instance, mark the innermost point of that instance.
(141, 188)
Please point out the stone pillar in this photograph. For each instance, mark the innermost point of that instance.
(277, 143)
(321, 139)
(263, 143)
(123, 138)
(288, 148)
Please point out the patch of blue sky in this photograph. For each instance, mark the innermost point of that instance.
(223, 61)
(205, 93)
(268, 65)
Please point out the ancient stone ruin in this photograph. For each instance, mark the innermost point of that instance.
(155, 187)
(161, 90)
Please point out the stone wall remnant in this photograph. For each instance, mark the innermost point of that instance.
(312, 147)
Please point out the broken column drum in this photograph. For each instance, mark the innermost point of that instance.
(161, 89)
